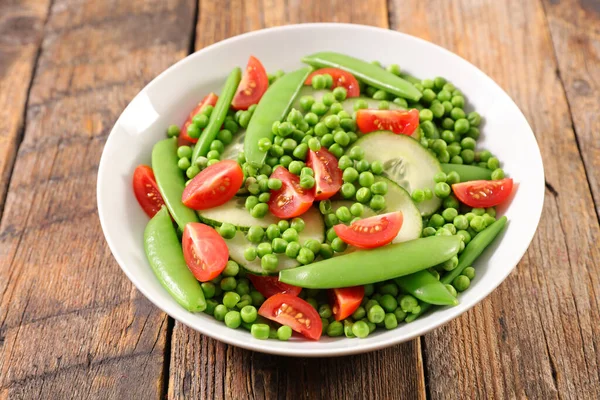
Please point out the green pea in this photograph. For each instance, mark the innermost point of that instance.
(498, 174)
(389, 288)
(363, 166)
(458, 101)
(343, 214)
(264, 198)
(243, 288)
(356, 153)
(255, 233)
(229, 283)
(444, 95)
(261, 331)
(320, 129)
(347, 124)
(233, 320)
(461, 125)
(448, 136)
(440, 177)
(279, 245)
(335, 329)
(390, 321)
(259, 210)
(425, 115)
(209, 289)
(360, 104)
(449, 214)
(173, 130)
(289, 145)
(474, 118)
(357, 209)
(360, 329)
(230, 299)
(192, 171)
(477, 223)
(341, 138)
(292, 249)
(437, 110)
(491, 212)
(461, 222)
(377, 202)
(331, 234)
(366, 179)
(360, 313)
(380, 188)
(443, 232)
(331, 220)
(184, 163)
(269, 262)
(327, 140)
(376, 314)
(305, 256)
(193, 131)
(350, 175)
(248, 314)
(251, 201)
(388, 303)
(428, 231)
(213, 155)
(290, 235)
(488, 220)
(300, 151)
(314, 144)
(400, 314)
(263, 249)
(448, 123)
(452, 178)
(442, 190)
(348, 190)
(468, 143)
(345, 162)
(250, 253)
(461, 283)
(409, 304)
(473, 133)
(326, 251)
(220, 312)
(338, 245)
(401, 102)
(319, 108)
(284, 332)
(436, 220)
(468, 156)
(363, 195)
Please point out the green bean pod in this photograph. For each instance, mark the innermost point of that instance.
(468, 172)
(472, 250)
(377, 265)
(273, 106)
(170, 181)
(425, 287)
(366, 72)
(410, 78)
(218, 115)
(166, 259)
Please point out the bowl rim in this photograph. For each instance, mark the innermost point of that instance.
(323, 351)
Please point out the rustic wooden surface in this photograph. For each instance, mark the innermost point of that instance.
(71, 324)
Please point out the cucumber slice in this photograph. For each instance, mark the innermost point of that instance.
(235, 213)
(405, 162)
(314, 229)
(233, 149)
(397, 199)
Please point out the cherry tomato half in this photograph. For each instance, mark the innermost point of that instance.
(397, 121)
(371, 232)
(483, 194)
(294, 312)
(340, 78)
(328, 176)
(204, 250)
(344, 301)
(214, 186)
(270, 285)
(291, 200)
(253, 85)
(184, 139)
(146, 190)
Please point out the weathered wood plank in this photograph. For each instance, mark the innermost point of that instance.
(575, 31)
(71, 324)
(204, 368)
(537, 335)
(21, 26)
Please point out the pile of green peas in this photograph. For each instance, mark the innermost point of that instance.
(360, 183)
(231, 298)
(383, 306)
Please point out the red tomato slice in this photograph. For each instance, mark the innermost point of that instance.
(371, 232)
(340, 78)
(328, 175)
(344, 301)
(291, 200)
(253, 85)
(270, 285)
(397, 121)
(146, 190)
(214, 186)
(483, 194)
(294, 312)
(184, 139)
(204, 250)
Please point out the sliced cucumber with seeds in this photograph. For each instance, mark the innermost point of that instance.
(235, 213)
(396, 199)
(405, 162)
(314, 229)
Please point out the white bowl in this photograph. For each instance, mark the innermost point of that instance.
(170, 97)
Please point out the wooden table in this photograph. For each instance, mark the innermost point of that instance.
(73, 326)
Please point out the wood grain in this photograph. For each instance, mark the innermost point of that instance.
(537, 335)
(575, 31)
(71, 324)
(204, 368)
(21, 26)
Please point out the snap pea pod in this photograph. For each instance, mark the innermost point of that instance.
(273, 106)
(475, 247)
(218, 115)
(409, 78)
(377, 265)
(425, 287)
(170, 181)
(166, 259)
(468, 172)
(366, 72)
